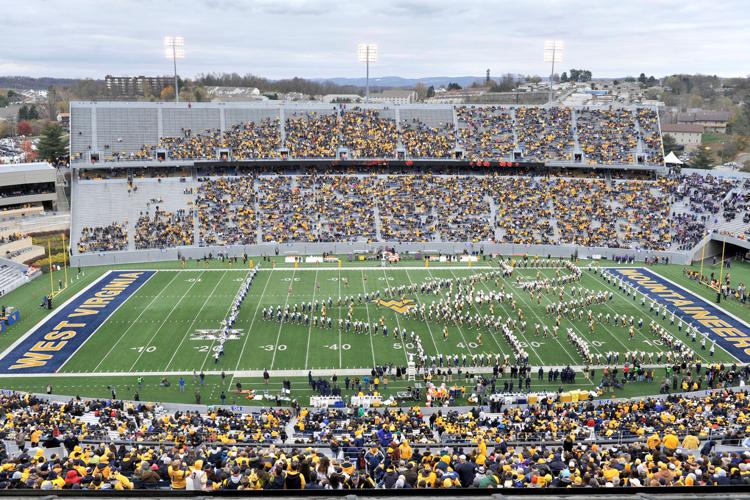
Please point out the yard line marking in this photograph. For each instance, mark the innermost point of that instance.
(429, 328)
(403, 335)
(659, 320)
(521, 296)
(124, 334)
(195, 318)
(309, 328)
(519, 333)
(367, 308)
(31, 330)
(491, 334)
(164, 322)
(339, 302)
(281, 323)
(620, 296)
(460, 331)
(229, 308)
(249, 330)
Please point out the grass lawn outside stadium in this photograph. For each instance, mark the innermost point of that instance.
(167, 328)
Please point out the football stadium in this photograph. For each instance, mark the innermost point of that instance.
(226, 285)
(286, 296)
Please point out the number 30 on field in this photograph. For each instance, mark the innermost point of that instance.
(271, 347)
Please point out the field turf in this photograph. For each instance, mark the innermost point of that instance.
(166, 326)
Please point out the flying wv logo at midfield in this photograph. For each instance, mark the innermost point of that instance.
(399, 306)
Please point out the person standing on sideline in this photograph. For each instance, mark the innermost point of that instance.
(182, 384)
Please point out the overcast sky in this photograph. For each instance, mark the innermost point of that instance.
(416, 38)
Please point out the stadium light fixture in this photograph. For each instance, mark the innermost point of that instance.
(367, 53)
(553, 53)
(174, 48)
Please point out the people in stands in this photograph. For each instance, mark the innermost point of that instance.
(658, 442)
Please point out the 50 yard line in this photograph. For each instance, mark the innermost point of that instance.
(456, 325)
(367, 308)
(398, 322)
(427, 323)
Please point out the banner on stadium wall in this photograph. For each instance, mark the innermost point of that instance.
(729, 332)
(47, 346)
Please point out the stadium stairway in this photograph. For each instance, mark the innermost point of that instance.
(196, 230)
(62, 199)
(256, 206)
(639, 147)
(574, 125)
(100, 203)
(734, 227)
(10, 278)
(515, 127)
(92, 421)
(378, 222)
(493, 217)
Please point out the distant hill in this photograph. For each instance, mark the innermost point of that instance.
(28, 83)
(397, 81)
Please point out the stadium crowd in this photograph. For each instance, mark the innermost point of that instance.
(670, 213)
(226, 211)
(602, 135)
(247, 140)
(607, 136)
(422, 141)
(666, 441)
(165, 229)
(108, 238)
(485, 132)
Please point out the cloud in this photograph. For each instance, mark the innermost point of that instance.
(318, 38)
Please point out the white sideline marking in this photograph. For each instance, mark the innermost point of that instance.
(49, 316)
(277, 373)
(132, 294)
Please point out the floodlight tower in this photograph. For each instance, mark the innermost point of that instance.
(174, 48)
(367, 53)
(553, 53)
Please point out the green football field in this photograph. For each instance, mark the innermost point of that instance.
(169, 325)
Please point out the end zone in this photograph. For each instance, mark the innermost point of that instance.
(50, 343)
(726, 329)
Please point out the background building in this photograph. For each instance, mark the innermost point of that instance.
(684, 134)
(394, 96)
(131, 86)
(712, 121)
